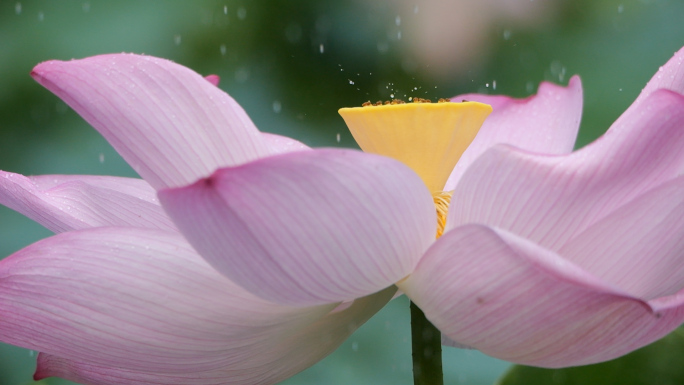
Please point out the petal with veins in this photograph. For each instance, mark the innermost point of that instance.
(514, 300)
(142, 300)
(75, 202)
(546, 123)
(169, 123)
(276, 362)
(551, 199)
(308, 227)
(640, 246)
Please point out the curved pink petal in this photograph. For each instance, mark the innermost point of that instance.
(281, 144)
(277, 362)
(309, 227)
(551, 199)
(213, 79)
(142, 300)
(73, 202)
(545, 123)
(169, 123)
(640, 246)
(519, 302)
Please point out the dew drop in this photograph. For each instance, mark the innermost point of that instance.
(242, 13)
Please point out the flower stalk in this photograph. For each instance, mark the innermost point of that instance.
(426, 343)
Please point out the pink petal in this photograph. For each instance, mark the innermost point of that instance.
(551, 199)
(74, 202)
(275, 363)
(640, 246)
(309, 227)
(546, 123)
(142, 300)
(514, 300)
(281, 144)
(213, 79)
(170, 124)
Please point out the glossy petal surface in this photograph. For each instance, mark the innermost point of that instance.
(169, 123)
(308, 227)
(517, 301)
(75, 202)
(142, 300)
(546, 123)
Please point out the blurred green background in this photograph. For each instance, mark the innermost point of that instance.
(291, 64)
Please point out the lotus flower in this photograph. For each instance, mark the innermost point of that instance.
(262, 255)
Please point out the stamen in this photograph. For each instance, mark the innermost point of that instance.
(442, 200)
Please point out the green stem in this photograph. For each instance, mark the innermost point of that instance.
(427, 350)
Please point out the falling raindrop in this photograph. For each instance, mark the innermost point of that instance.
(242, 13)
(383, 47)
(621, 8)
(487, 85)
(321, 49)
(392, 96)
(493, 84)
(506, 34)
(338, 137)
(415, 9)
(397, 20)
(242, 75)
(17, 8)
(277, 107)
(177, 39)
(225, 9)
(223, 49)
(101, 157)
(41, 16)
(350, 81)
(355, 346)
(86, 7)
